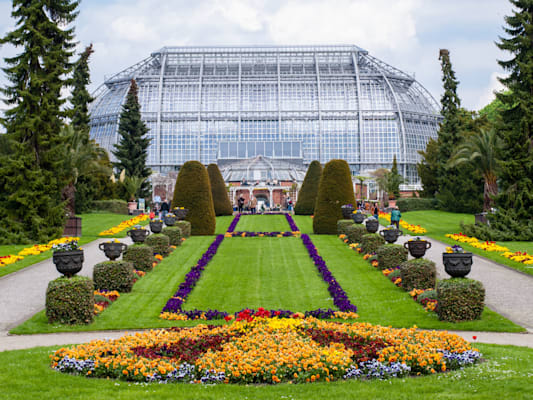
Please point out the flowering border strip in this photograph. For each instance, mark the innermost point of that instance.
(417, 229)
(34, 250)
(124, 224)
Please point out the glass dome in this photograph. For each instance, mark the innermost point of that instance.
(290, 103)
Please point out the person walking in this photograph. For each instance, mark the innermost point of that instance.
(164, 208)
(240, 203)
(253, 205)
(376, 211)
(289, 204)
(395, 216)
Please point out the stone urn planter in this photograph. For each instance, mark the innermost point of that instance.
(180, 213)
(417, 248)
(358, 218)
(156, 226)
(372, 225)
(391, 235)
(170, 220)
(457, 265)
(138, 235)
(68, 263)
(347, 211)
(112, 250)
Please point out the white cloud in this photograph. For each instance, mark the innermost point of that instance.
(133, 28)
(244, 13)
(488, 93)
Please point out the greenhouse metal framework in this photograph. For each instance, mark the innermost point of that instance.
(293, 103)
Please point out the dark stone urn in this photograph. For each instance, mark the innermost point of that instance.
(391, 235)
(112, 250)
(457, 265)
(358, 218)
(68, 263)
(372, 225)
(170, 220)
(347, 212)
(180, 213)
(138, 235)
(156, 226)
(417, 248)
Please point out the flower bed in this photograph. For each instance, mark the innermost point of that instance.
(103, 299)
(34, 250)
(124, 225)
(416, 229)
(266, 350)
(261, 234)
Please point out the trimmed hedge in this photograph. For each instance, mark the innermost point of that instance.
(371, 242)
(141, 256)
(308, 193)
(356, 232)
(70, 301)
(342, 226)
(460, 299)
(185, 227)
(335, 190)
(418, 274)
(114, 275)
(159, 243)
(416, 204)
(219, 192)
(193, 191)
(113, 206)
(174, 235)
(391, 255)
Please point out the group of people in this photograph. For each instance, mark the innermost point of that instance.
(252, 204)
(162, 209)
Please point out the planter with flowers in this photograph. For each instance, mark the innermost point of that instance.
(457, 262)
(358, 217)
(417, 247)
(138, 234)
(170, 219)
(391, 234)
(180, 212)
(156, 225)
(112, 249)
(372, 225)
(347, 210)
(68, 258)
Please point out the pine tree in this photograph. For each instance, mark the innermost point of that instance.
(81, 98)
(132, 150)
(308, 193)
(31, 176)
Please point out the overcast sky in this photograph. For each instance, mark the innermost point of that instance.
(404, 33)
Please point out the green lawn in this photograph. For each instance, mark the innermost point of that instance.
(439, 223)
(304, 223)
(505, 374)
(274, 273)
(223, 223)
(262, 223)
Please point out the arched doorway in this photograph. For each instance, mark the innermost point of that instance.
(262, 201)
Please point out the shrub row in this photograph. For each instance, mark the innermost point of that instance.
(140, 255)
(418, 274)
(113, 206)
(185, 227)
(174, 235)
(70, 301)
(371, 242)
(159, 244)
(416, 204)
(391, 255)
(460, 299)
(114, 275)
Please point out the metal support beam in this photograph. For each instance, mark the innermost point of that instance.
(279, 96)
(160, 102)
(319, 109)
(359, 114)
(239, 110)
(200, 84)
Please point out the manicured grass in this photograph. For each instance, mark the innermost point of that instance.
(379, 301)
(223, 223)
(263, 223)
(304, 223)
(506, 374)
(439, 223)
(274, 273)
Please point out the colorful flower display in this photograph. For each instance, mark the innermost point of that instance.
(416, 229)
(266, 350)
(124, 225)
(261, 234)
(35, 249)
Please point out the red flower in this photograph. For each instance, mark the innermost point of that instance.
(228, 318)
(474, 337)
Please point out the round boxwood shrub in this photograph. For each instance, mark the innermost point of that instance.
(193, 191)
(334, 191)
(174, 235)
(159, 243)
(114, 275)
(219, 192)
(185, 227)
(141, 256)
(355, 233)
(420, 273)
(309, 190)
(460, 299)
(342, 226)
(70, 301)
(371, 242)
(391, 255)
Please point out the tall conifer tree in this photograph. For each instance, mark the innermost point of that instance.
(81, 98)
(31, 177)
(132, 150)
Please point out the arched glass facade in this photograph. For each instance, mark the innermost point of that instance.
(300, 103)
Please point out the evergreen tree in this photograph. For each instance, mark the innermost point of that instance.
(132, 150)
(394, 180)
(516, 131)
(218, 190)
(81, 97)
(427, 169)
(31, 176)
(308, 193)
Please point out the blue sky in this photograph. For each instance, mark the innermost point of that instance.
(404, 33)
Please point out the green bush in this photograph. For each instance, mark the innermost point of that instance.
(505, 225)
(391, 255)
(460, 299)
(114, 275)
(395, 274)
(193, 191)
(70, 301)
(335, 190)
(159, 243)
(174, 235)
(416, 204)
(418, 274)
(141, 256)
(309, 190)
(427, 295)
(113, 206)
(342, 226)
(370, 242)
(356, 232)
(185, 227)
(219, 191)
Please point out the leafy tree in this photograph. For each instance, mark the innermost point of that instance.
(132, 150)
(218, 190)
(31, 176)
(309, 190)
(81, 97)
(394, 180)
(427, 169)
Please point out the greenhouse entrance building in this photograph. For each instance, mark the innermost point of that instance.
(290, 104)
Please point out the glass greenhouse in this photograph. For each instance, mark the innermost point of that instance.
(292, 103)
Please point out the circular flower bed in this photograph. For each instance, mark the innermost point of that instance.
(265, 350)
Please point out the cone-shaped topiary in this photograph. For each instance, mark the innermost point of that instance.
(193, 192)
(334, 191)
(218, 190)
(308, 193)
